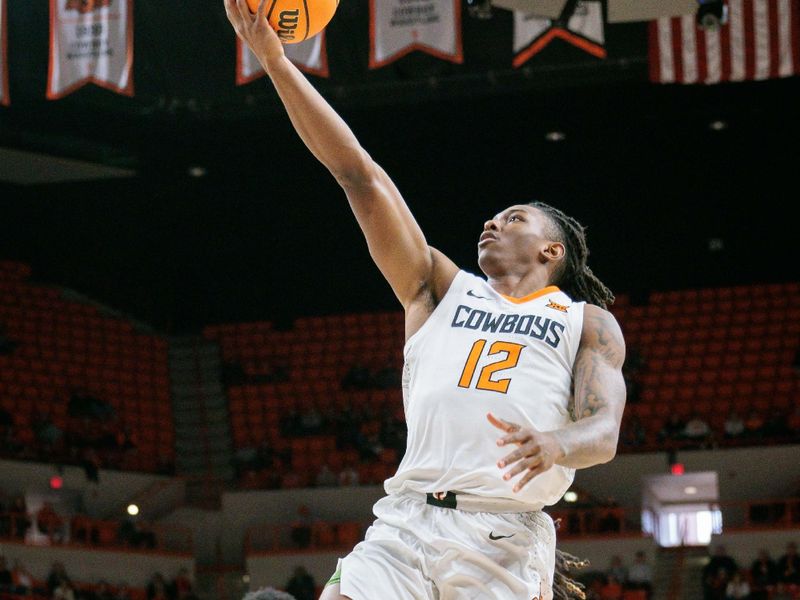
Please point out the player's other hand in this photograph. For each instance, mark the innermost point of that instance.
(255, 30)
(536, 451)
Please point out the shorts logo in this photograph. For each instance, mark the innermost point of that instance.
(557, 306)
(493, 537)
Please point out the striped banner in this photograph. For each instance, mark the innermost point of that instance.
(761, 40)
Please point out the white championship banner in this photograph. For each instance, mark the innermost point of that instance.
(397, 27)
(4, 97)
(91, 41)
(584, 30)
(309, 56)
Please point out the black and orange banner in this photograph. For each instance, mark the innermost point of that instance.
(4, 97)
(584, 29)
(91, 41)
(397, 27)
(309, 56)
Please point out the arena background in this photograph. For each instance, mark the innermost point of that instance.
(223, 217)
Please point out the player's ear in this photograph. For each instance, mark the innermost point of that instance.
(553, 252)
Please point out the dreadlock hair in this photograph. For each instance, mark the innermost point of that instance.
(565, 588)
(574, 276)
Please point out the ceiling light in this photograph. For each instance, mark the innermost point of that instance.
(197, 171)
(555, 136)
(570, 497)
(717, 125)
(133, 510)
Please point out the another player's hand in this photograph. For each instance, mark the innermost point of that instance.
(536, 451)
(255, 30)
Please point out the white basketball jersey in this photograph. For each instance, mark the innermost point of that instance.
(480, 352)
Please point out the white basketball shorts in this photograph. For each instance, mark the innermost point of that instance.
(415, 551)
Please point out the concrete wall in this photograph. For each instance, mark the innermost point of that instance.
(107, 498)
(744, 473)
(135, 568)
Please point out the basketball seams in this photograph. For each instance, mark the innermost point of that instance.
(308, 19)
(271, 8)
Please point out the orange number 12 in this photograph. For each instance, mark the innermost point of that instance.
(485, 381)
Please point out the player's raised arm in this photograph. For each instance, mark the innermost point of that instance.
(395, 241)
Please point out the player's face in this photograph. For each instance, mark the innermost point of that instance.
(512, 237)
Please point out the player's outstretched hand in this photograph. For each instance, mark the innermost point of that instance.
(536, 451)
(255, 30)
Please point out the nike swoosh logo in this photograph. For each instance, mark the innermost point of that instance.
(492, 536)
(474, 295)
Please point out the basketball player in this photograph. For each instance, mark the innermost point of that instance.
(510, 382)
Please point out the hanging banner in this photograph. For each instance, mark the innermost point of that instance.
(760, 40)
(397, 27)
(4, 97)
(91, 41)
(584, 30)
(310, 56)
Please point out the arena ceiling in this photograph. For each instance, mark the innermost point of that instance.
(679, 185)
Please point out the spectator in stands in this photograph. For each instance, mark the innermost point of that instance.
(301, 585)
(611, 589)
(56, 575)
(631, 372)
(672, 429)
(717, 572)
(776, 425)
(348, 476)
(23, 579)
(781, 592)
(310, 422)
(633, 432)
(64, 590)
(388, 377)
(357, 378)
(793, 422)
(48, 434)
(301, 527)
(183, 585)
(697, 430)
(617, 570)
(123, 592)
(640, 574)
(104, 591)
(734, 425)
(737, 588)
(764, 575)
(20, 521)
(325, 477)
(289, 422)
(754, 425)
(157, 588)
(6, 429)
(6, 579)
(789, 565)
(50, 523)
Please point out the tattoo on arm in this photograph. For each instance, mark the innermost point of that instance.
(599, 360)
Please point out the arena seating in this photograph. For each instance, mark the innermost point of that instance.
(705, 351)
(65, 345)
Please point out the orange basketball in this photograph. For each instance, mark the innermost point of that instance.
(297, 20)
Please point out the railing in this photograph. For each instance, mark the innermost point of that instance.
(601, 520)
(80, 531)
(777, 513)
(321, 535)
